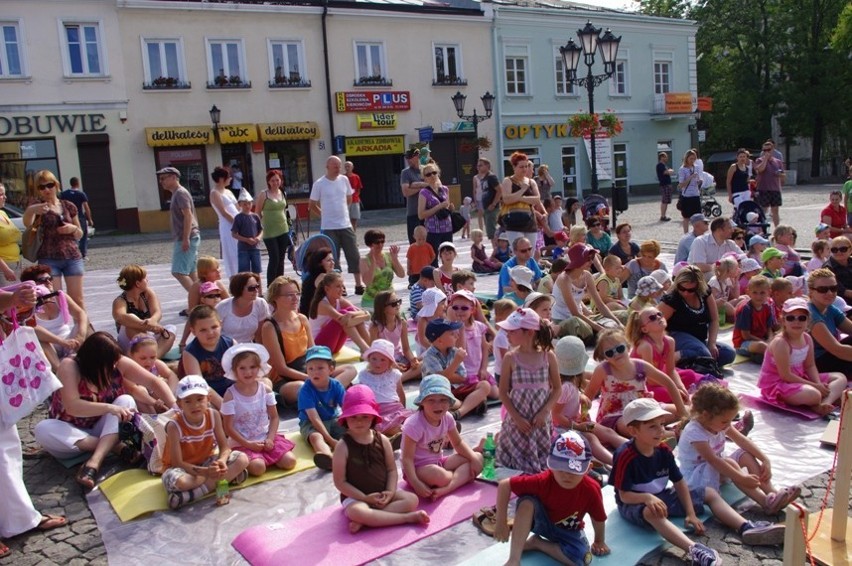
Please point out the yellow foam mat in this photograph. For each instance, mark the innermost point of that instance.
(347, 355)
(134, 493)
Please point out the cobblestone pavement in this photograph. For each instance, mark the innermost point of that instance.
(54, 490)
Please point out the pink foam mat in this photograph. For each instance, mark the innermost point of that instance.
(805, 413)
(323, 537)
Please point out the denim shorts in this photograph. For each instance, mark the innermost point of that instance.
(183, 262)
(66, 267)
(632, 513)
(573, 543)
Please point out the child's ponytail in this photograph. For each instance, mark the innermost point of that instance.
(543, 337)
(633, 328)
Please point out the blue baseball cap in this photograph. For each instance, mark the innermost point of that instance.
(319, 353)
(437, 327)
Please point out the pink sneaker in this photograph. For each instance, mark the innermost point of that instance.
(745, 424)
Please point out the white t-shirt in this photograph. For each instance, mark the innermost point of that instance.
(331, 195)
(242, 328)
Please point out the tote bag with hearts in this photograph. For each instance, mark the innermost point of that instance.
(26, 379)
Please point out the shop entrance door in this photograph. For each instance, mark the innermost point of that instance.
(380, 177)
(234, 154)
(96, 177)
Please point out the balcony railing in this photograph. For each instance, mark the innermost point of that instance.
(296, 82)
(444, 80)
(373, 81)
(166, 83)
(228, 82)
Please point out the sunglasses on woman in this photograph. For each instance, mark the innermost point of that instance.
(44, 279)
(252, 288)
(826, 289)
(683, 289)
(615, 350)
(430, 174)
(796, 317)
(395, 303)
(212, 296)
(49, 185)
(839, 250)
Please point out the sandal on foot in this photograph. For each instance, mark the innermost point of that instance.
(49, 522)
(4, 550)
(86, 477)
(777, 501)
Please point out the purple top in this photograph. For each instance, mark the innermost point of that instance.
(433, 223)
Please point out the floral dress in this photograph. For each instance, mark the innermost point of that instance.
(382, 280)
(529, 391)
(617, 393)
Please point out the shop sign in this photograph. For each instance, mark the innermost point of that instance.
(679, 103)
(187, 135)
(375, 145)
(368, 101)
(538, 130)
(376, 121)
(705, 104)
(44, 125)
(284, 131)
(237, 133)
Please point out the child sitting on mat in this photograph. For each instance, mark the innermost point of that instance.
(249, 411)
(552, 505)
(204, 354)
(641, 472)
(473, 339)
(364, 469)
(789, 373)
(702, 443)
(192, 467)
(388, 323)
(143, 351)
(424, 466)
(320, 399)
(385, 382)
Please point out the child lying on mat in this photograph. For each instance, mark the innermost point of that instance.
(552, 505)
(191, 465)
(702, 443)
(641, 472)
(365, 470)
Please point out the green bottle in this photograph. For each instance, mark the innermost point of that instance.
(488, 452)
(223, 492)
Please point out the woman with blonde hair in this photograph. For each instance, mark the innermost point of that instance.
(61, 230)
(434, 208)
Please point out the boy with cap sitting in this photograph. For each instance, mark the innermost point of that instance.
(552, 504)
(642, 469)
(415, 297)
(443, 358)
(521, 281)
(320, 399)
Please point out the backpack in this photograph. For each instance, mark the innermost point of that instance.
(153, 431)
(702, 365)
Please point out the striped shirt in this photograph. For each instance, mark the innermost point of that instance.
(197, 444)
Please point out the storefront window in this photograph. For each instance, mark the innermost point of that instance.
(569, 172)
(192, 164)
(19, 162)
(293, 158)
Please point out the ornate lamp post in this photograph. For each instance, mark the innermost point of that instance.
(215, 116)
(488, 104)
(590, 41)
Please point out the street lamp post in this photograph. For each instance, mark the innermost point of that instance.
(488, 104)
(215, 116)
(590, 41)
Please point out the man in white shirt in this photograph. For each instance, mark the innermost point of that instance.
(706, 250)
(700, 225)
(330, 198)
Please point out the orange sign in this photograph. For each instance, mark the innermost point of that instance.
(679, 103)
(705, 104)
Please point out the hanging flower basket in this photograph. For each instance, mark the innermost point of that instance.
(583, 124)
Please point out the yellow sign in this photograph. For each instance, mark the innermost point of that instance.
(538, 130)
(375, 145)
(188, 135)
(679, 103)
(377, 121)
(237, 133)
(282, 131)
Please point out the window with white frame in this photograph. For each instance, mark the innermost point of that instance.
(83, 50)
(448, 65)
(618, 81)
(287, 63)
(516, 66)
(662, 76)
(226, 63)
(370, 65)
(563, 87)
(11, 59)
(569, 172)
(163, 63)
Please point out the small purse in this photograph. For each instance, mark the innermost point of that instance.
(31, 241)
(457, 220)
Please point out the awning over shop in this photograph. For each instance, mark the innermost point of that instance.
(237, 133)
(181, 135)
(281, 131)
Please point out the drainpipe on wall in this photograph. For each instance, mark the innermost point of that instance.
(498, 122)
(327, 73)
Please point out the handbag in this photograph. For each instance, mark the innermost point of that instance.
(517, 221)
(26, 379)
(31, 241)
(457, 220)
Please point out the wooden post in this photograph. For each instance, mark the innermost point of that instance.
(842, 472)
(794, 538)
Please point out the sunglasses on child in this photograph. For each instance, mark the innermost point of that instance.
(796, 317)
(430, 174)
(615, 350)
(654, 317)
(461, 308)
(213, 296)
(826, 289)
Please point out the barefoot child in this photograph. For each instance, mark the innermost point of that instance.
(334, 319)
(755, 320)
(249, 411)
(789, 373)
(700, 452)
(192, 467)
(551, 505)
(385, 382)
(424, 466)
(320, 399)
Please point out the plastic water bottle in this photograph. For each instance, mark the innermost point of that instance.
(489, 451)
(223, 492)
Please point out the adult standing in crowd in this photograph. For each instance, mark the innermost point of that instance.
(225, 204)
(357, 186)
(737, 178)
(688, 183)
(434, 209)
(184, 222)
(10, 249)
(412, 183)
(544, 181)
(520, 196)
(769, 169)
(489, 186)
(61, 230)
(331, 196)
(19, 515)
(272, 209)
(664, 177)
(706, 250)
(76, 195)
(700, 225)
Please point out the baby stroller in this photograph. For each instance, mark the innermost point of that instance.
(710, 207)
(596, 206)
(749, 216)
(312, 244)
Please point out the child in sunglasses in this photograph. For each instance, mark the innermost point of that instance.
(789, 373)
(620, 379)
(387, 323)
(472, 339)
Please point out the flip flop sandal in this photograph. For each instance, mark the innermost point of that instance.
(86, 477)
(49, 522)
(486, 520)
(775, 502)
